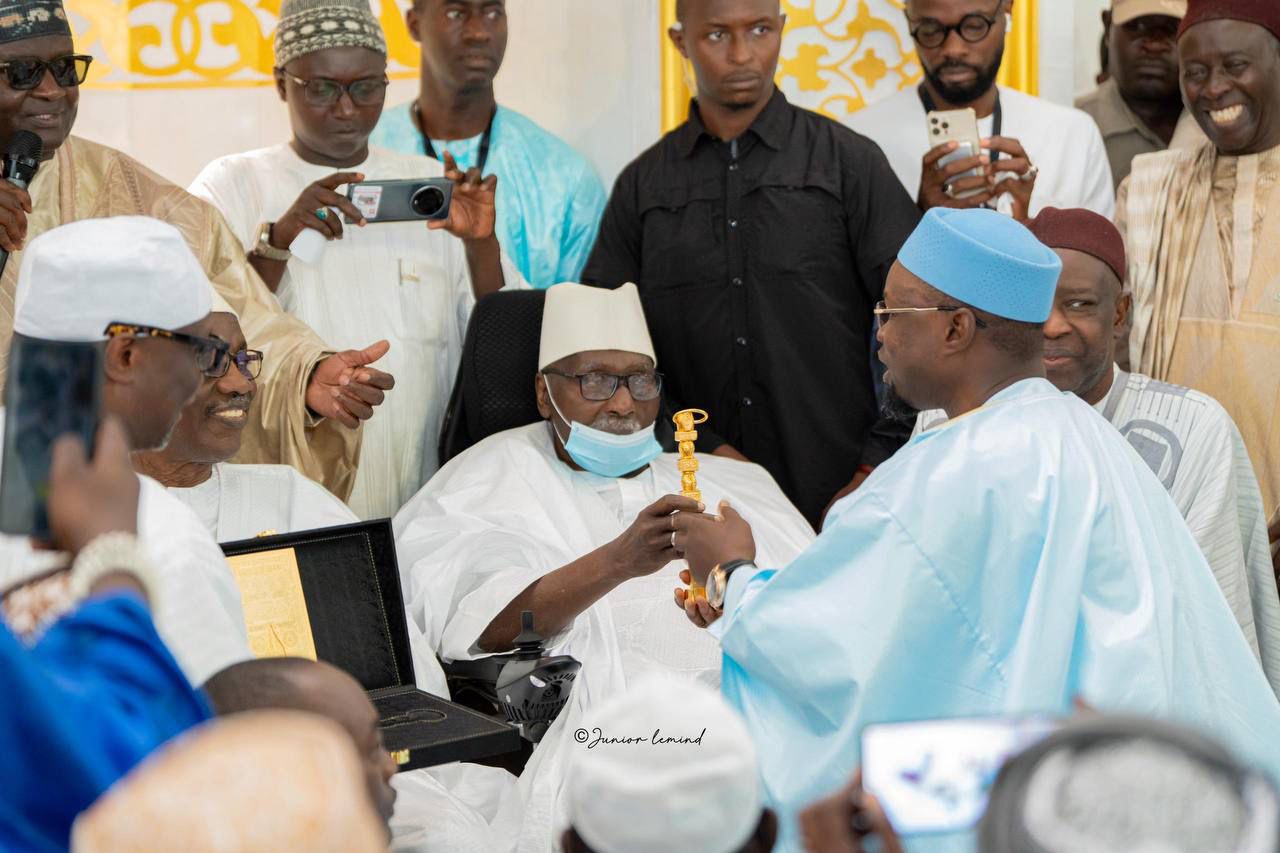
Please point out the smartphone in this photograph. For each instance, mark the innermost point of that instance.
(934, 776)
(399, 201)
(956, 126)
(53, 388)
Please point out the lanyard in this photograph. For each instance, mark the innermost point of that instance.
(997, 116)
(430, 150)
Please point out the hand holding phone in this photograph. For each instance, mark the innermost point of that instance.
(91, 499)
(313, 211)
(54, 388)
(843, 821)
(401, 200)
(954, 172)
(935, 775)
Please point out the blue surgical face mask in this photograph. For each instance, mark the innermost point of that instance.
(606, 453)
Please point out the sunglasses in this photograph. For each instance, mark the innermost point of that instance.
(213, 357)
(27, 72)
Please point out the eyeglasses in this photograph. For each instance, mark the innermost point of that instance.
(973, 28)
(323, 92)
(213, 357)
(27, 72)
(598, 387)
(883, 314)
(247, 361)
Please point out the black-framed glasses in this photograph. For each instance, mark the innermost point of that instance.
(213, 357)
(26, 72)
(598, 387)
(323, 92)
(885, 314)
(247, 361)
(973, 28)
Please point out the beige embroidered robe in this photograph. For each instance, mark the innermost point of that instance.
(85, 180)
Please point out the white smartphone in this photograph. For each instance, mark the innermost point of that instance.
(959, 126)
(934, 776)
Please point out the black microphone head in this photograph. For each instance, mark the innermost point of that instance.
(25, 145)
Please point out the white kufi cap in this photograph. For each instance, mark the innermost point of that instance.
(77, 279)
(577, 318)
(655, 797)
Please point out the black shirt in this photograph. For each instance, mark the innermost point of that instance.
(759, 263)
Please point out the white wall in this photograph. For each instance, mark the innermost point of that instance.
(1088, 33)
(586, 70)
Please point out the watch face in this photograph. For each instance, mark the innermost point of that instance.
(715, 587)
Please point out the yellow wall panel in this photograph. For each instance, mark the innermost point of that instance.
(840, 55)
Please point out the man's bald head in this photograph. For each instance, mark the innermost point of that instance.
(294, 683)
(732, 47)
(316, 687)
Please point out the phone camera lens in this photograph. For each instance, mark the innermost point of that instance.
(427, 201)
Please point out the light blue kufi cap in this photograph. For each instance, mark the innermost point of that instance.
(984, 259)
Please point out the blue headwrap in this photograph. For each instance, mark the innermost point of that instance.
(984, 259)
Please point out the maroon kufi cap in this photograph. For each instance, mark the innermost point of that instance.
(1264, 13)
(1084, 231)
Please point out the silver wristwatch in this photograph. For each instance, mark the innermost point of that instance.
(112, 552)
(264, 249)
(718, 581)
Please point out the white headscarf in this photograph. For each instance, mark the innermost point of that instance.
(577, 318)
(79, 278)
(666, 765)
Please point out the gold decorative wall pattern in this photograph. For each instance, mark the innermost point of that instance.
(840, 55)
(174, 44)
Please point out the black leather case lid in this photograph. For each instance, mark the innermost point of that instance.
(351, 583)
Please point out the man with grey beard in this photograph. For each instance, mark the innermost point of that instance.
(572, 519)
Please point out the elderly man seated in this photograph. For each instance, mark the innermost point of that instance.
(133, 284)
(235, 501)
(1187, 439)
(571, 518)
(442, 808)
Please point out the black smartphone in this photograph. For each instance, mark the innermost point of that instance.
(398, 201)
(53, 388)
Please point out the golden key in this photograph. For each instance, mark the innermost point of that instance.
(687, 464)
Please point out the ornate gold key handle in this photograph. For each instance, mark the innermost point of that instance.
(687, 464)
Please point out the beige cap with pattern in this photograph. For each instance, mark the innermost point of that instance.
(1124, 11)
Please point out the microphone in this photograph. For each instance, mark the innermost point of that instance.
(21, 160)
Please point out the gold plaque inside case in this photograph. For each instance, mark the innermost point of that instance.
(275, 611)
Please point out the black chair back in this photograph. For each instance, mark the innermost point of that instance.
(494, 387)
